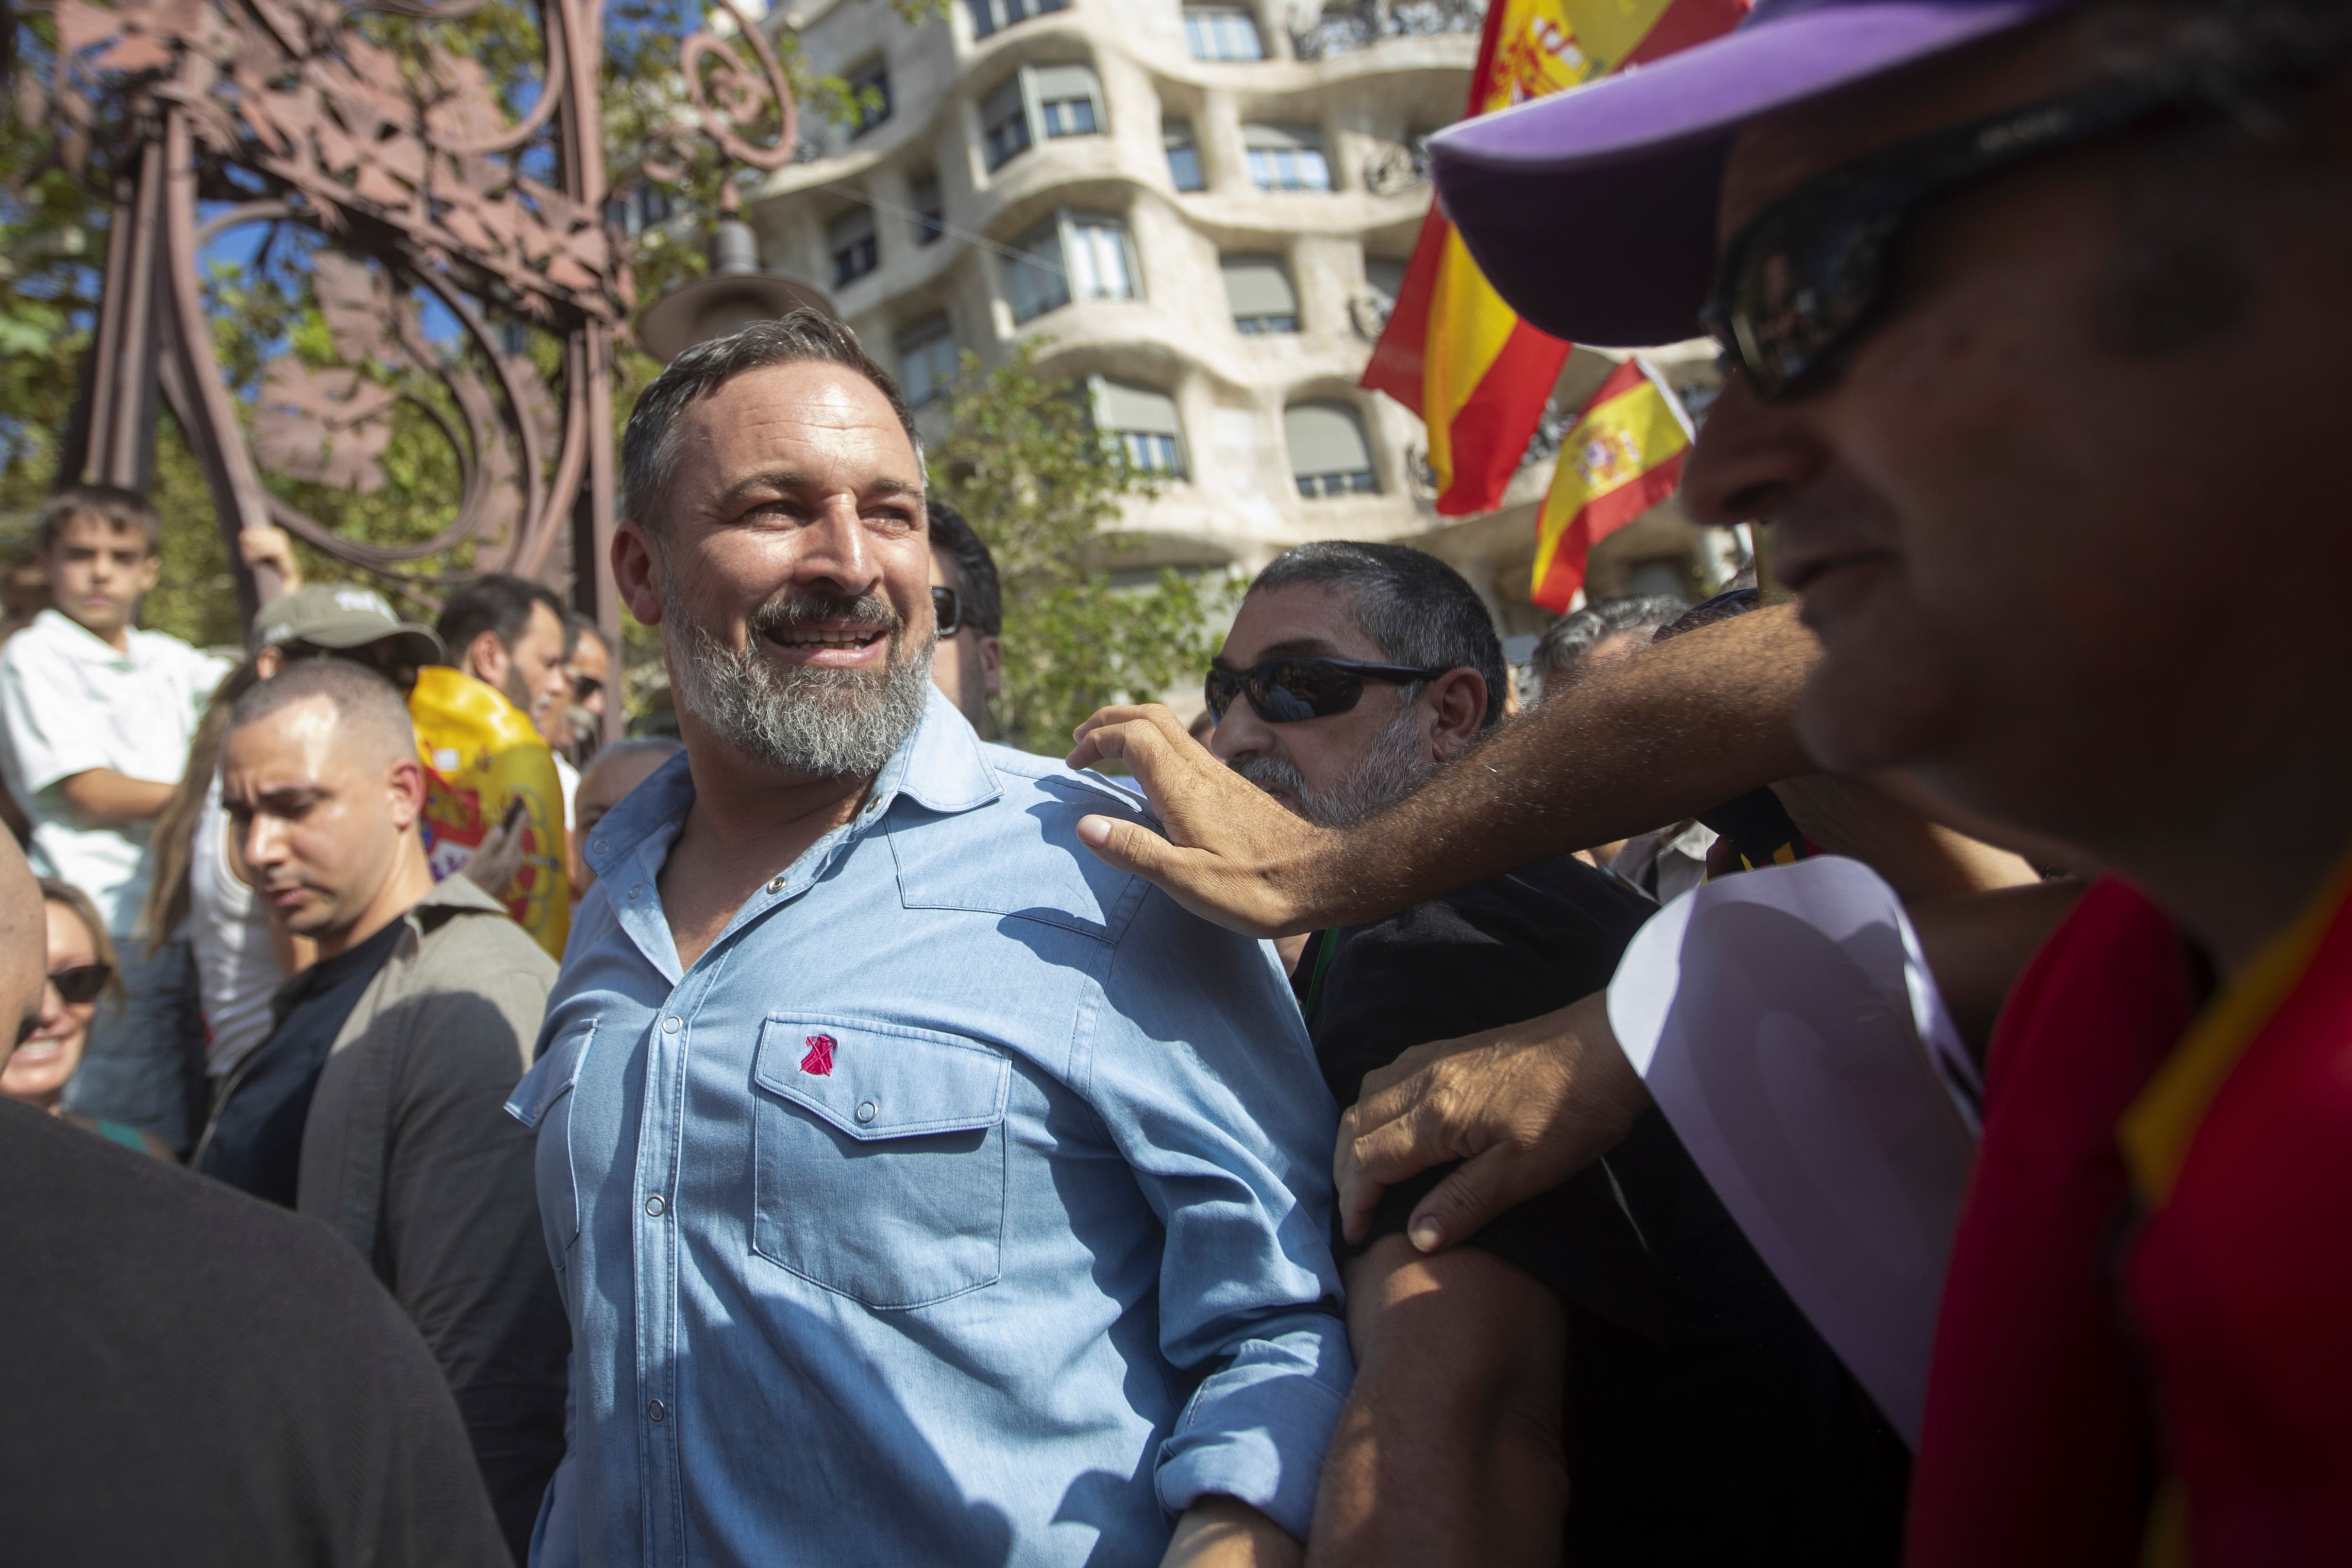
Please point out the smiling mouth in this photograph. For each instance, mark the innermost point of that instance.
(826, 637)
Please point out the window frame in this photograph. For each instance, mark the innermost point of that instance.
(1260, 160)
(1210, 15)
(983, 14)
(1191, 146)
(930, 220)
(876, 74)
(1244, 324)
(868, 247)
(1064, 222)
(1141, 445)
(1327, 484)
(920, 335)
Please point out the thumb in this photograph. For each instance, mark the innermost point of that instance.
(1129, 846)
(1465, 1201)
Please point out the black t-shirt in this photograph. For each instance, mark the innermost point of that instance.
(195, 1378)
(256, 1143)
(1705, 1420)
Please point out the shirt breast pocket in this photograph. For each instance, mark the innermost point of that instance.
(543, 1100)
(880, 1158)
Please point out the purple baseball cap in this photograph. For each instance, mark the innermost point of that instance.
(1592, 210)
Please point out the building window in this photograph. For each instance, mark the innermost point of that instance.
(869, 98)
(1183, 154)
(1039, 100)
(1328, 453)
(1004, 122)
(930, 207)
(1222, 33)
(926, 360)
(1070, 255)
(1142, 420)
(849, 240)
(1069, 99)
(1258, 289)
(1386, 275)
(987, 15)
(1286, 157)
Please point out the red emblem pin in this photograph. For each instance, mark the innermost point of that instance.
(819, 1059)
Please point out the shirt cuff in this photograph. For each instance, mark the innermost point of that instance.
(1256, 1431)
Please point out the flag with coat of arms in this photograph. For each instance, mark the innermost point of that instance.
(1452, 351)
(1623, 455)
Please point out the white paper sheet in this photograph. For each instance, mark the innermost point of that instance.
(1789, 1030)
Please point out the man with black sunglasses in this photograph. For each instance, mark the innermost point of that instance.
(1613, 1340)
(968, 663)
(2036, 318)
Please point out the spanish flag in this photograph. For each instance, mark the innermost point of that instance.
(1453, 351)
(1623, 456)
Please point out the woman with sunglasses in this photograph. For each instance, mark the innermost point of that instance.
(82, 974)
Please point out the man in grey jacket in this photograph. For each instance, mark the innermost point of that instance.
(374, 1104)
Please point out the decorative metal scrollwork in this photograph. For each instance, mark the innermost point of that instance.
(425, 201)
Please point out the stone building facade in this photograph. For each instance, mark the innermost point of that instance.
(1206, 209)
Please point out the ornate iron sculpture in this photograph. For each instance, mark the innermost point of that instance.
(1343, 27)
(424, 195)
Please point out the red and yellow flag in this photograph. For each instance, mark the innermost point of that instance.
(1453, 351)
(1623, 456)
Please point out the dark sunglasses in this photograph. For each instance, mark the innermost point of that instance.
(83, 982)
(1801, 284)
(947, 609)
(1286, 691)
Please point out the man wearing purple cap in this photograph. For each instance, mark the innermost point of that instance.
(2036, 316)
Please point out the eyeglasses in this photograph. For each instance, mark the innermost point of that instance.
(947, 609)
(1803, 283)
(83, 982)
(1286, 691)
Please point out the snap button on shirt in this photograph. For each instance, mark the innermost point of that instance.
(865, 1111)
(654, 1205)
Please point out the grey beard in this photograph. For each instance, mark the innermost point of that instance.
(1391, 768)
(796, 718)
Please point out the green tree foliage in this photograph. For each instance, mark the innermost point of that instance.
(1022, 459)
(1024, 464)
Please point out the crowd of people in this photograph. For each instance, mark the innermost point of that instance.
(925, 1152)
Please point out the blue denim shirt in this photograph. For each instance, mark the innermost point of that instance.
(966, 1202)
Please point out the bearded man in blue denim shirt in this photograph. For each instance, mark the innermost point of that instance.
(923, 1191)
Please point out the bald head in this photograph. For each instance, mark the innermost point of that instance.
(24, 947)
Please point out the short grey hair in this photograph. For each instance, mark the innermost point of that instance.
(649, 446)
(1569, 641)
(1416, 607)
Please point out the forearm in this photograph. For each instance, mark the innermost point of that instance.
(1219, 1533)
(1664, 735)
(1449, 1448)
(102, 797)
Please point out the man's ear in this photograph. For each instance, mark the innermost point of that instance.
(485, 658)
(634, 573)
(269, 661)
(991, 664)
(406, 783)
(1457, 705)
